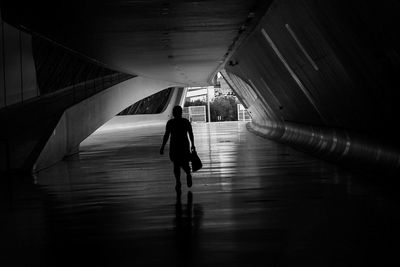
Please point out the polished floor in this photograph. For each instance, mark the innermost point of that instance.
(254, 203)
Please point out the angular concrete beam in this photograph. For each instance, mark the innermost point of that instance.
(82, 119)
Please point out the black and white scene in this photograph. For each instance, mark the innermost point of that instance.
(191, 133)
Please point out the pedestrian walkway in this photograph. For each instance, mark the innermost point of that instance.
(254, 203)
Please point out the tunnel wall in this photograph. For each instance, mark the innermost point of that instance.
(17, 72)
(82, 119)
(321, 76)
(40, 79)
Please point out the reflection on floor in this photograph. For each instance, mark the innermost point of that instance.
(255, 203)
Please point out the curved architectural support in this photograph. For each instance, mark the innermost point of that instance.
(35, 91)
(82, 119)
(177, 97)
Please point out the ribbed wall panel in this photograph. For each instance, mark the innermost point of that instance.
(325, 77)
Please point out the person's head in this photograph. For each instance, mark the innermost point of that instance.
(177, 112)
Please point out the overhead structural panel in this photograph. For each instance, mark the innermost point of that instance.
(180, 41)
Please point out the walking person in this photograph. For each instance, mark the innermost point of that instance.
(179, 148)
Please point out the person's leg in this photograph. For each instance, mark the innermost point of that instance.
(177, 173)
(186, 168)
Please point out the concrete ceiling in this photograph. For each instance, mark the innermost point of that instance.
(179, 41)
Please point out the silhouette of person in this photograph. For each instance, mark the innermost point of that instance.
(179, 149)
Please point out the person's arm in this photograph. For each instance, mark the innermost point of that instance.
(165, 139)
(191, 136)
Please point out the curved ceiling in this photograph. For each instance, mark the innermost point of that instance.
(179, 41)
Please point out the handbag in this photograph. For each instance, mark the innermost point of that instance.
(196, 162)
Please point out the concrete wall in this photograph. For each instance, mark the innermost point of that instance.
(321, 75)
(17, 68)
(81, 120)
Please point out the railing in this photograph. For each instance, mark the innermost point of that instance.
(195, 113)
(242, 113)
